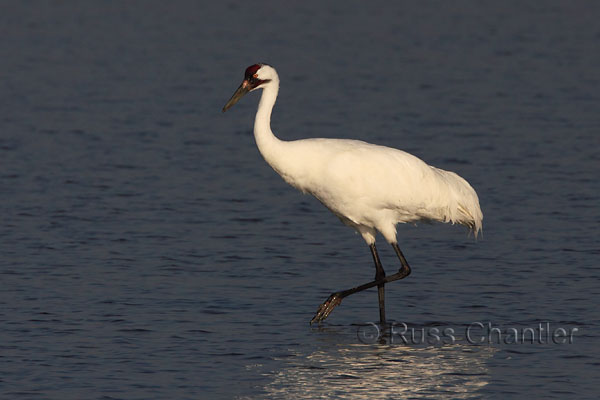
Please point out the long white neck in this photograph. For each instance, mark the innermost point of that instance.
(267, 143)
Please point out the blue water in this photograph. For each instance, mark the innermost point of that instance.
(148, 252)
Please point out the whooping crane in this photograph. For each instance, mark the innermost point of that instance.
(369, 187)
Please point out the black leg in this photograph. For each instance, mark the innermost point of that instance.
(405, 269)
(379, 275)
(336, 298)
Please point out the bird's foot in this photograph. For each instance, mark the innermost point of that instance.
(327, 307)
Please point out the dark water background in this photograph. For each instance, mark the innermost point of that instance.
(147, 250)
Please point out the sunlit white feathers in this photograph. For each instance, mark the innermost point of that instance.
(369, 187)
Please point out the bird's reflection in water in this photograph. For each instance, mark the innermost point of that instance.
(359, 371)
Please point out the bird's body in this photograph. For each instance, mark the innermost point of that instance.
(369, 187)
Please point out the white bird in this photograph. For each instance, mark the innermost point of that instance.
(369, 187)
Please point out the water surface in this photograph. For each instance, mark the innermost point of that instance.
(149, 252)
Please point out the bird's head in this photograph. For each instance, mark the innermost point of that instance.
(255, 77)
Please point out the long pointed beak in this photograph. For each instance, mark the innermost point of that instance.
(239, 93)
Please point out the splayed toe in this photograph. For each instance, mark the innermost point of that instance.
(326, 308)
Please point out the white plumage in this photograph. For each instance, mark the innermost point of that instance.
(369, 187)
(374, 187)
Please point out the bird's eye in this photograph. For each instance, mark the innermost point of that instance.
(255, 76)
